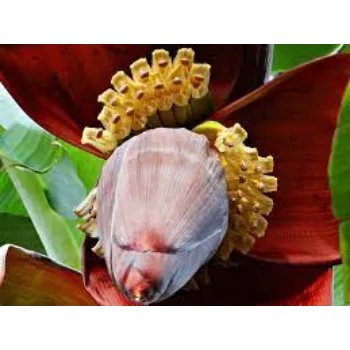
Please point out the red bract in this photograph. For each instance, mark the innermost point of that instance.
(292, 118)
(262, 284)
(58, 85)
(28, 278)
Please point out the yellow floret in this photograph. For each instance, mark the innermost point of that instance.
(160, 93)
(246, 181)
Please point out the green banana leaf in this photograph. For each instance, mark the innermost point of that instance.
(10, 202)
(287, 56)
(10, 112)
(88, 166)
(50, 181)
(30, 146)
(338, 287)
(339, 178)
(64, 189)
(67, 172)
(19, 231)
(56, 236)
(346, 48)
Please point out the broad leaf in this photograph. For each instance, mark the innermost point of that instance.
(10, 113)
(345, 251)
(30, 146)
(27, 278)
(338, 289)
(339, 176)
(53, 231)
(78, 235)
(64, 188)
(27, 144)
(87, 165)
(24, 141)
(19, 231)
(287, 56)
(10, 202)
(346, 48)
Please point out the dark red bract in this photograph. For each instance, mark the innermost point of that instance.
(294, 118)
(58, 85)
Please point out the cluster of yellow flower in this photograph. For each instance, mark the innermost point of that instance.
(246, 183)
(157, 95)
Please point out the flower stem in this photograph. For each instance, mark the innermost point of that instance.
(52, 229)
